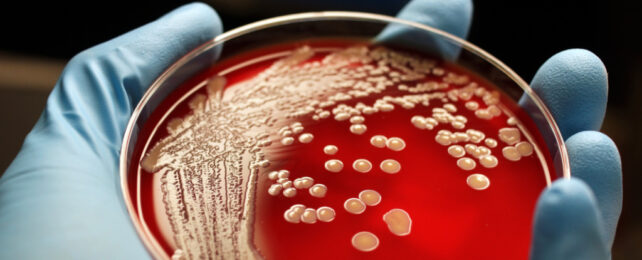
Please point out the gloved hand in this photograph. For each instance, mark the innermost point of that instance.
(575, 218)
(60, 197)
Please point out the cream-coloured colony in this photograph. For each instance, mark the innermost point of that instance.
(237, 130)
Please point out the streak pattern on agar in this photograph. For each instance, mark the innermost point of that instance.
(204, 195)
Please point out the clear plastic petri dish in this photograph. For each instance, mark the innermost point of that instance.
(338, 134)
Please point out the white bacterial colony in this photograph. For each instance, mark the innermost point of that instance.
(334, 165)
(211, 160)
(370, 197)
(318, 190)
(358, 205)
(365, 241)
(362, 165)
(390, 166)
(283, 185)
(478, 181)
(395, 144)
(298, 213)
(398, 221)
(354, 206)
(330, 149)
(378, 141)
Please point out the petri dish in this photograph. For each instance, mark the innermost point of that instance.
(373, 136)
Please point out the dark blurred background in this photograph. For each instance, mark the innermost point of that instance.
(38, 39)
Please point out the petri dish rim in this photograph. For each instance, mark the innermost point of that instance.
(152, 245)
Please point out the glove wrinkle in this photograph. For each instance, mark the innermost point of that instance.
(573, 84)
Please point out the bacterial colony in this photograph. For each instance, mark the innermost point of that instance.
(210, 162)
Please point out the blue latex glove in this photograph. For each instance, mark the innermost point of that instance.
(60, 197)
(575, 218)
